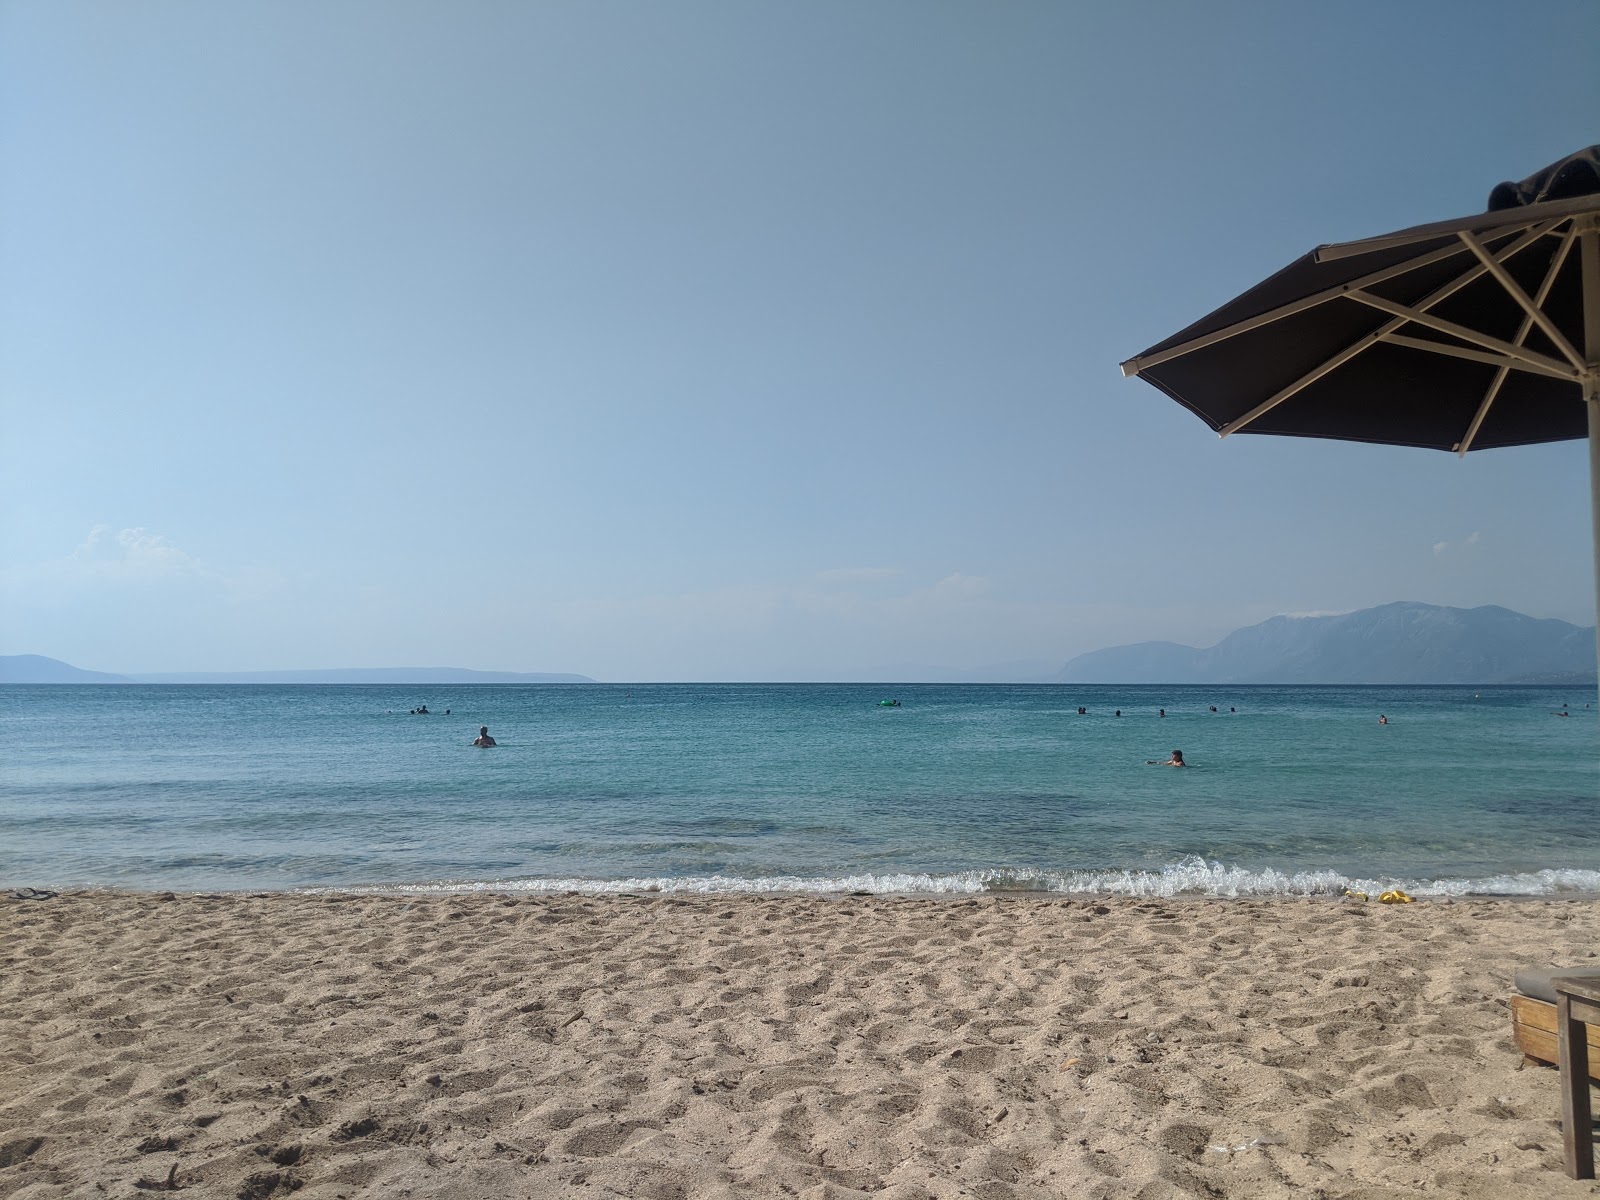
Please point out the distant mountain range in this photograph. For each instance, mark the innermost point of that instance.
(34, 668)
(1394, 643)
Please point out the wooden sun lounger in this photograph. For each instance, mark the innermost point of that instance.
(1556, 1019)
(1533, 1025)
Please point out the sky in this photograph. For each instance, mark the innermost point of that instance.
(723, 339)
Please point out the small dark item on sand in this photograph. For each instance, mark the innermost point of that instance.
(27, 893)
(169, 1184)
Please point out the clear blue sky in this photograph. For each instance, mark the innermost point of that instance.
(722, 340)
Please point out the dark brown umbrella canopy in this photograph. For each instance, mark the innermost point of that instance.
(1418, 329)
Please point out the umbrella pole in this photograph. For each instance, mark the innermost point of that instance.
(1592, 402)
(1590, 241)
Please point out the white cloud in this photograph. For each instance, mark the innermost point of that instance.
(132, 559)
(132, 554)
(1472, 539)
(129, 599)
(962, 587)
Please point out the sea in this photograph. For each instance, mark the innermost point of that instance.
(802, 788)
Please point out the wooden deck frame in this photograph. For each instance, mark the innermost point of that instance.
(1577, 1015)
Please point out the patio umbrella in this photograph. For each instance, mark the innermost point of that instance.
(1462, 335)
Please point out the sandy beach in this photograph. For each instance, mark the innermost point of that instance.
(656, 1046)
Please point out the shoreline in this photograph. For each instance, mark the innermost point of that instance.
(1189, 876)
(1018, 1045)
(511, 891)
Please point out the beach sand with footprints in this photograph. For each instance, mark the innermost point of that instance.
(661, 1046)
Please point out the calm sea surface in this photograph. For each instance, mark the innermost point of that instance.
(801, 788)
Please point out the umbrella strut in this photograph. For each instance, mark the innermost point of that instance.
(1591, 382)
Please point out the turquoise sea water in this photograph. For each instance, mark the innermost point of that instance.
(801, 787)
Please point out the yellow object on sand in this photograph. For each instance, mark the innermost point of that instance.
(1352, 894)
(1396, 896)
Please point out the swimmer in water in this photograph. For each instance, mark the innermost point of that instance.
(1382, 720)
(483, 738)
(1176, 760)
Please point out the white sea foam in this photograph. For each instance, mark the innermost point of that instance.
(1190, 876)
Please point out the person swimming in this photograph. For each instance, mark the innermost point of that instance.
(1176, 760)
(483, 738)
(1382, 720)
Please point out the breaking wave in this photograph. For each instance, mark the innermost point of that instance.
(1191, 876)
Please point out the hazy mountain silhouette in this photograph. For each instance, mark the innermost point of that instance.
(438, 675)
(1403, 642)
(36, 668)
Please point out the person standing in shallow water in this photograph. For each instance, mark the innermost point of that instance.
(483, 738)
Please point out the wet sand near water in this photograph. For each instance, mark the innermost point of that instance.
(664, 1046)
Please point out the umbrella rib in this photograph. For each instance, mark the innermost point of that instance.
(1437, 296)
(1483, 356)
(1561, 210)
(1521, 353)
(1489, 397)
(1136, 365)
(1305, 381)
(1537, 314)
(1483, 411)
